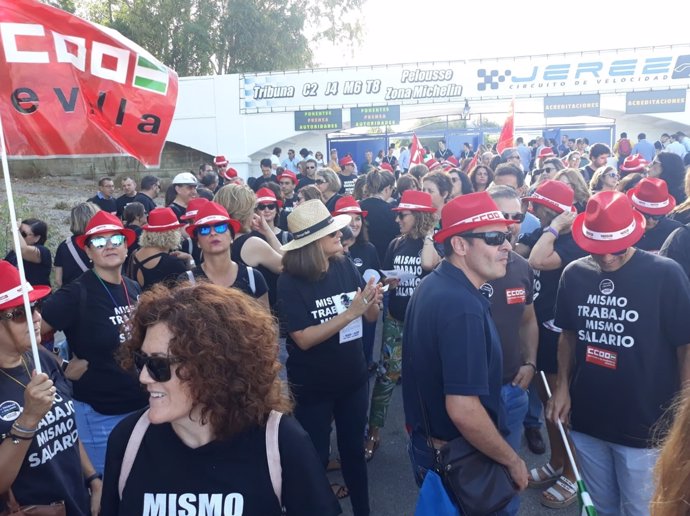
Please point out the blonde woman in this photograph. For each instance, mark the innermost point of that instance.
(329, 184)
(573, 178)
(604, 179)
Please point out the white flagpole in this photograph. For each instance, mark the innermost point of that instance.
(17, 249)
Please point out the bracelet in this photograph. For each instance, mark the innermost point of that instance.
(91, 478)
(428, 239)
(23, 430)
(531, 365)
(14, 437)
(550, 230)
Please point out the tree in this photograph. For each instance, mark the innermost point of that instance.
(202, 37)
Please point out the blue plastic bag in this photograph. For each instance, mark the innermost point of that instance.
(433, 499)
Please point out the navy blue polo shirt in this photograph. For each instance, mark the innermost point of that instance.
(450, 346)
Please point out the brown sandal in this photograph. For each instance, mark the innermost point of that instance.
(370, 447)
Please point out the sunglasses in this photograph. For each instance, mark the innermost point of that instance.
(320, 181)
(158, 367)
(310, 168)
(19, 314)
(549, 169)
(262, 207)
(401, 215)
(99, 242)
(620, 253)
(494, 238)
(612, 174)
(218, 228)
(516, 217)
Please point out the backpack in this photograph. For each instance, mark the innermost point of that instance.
(624, 148)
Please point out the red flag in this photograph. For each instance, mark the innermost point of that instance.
(472, 163)
(508, 132)
(416, 152)
(73, 88)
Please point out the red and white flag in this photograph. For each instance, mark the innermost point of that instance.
(73, 88)
(507, 137)
(416, 151)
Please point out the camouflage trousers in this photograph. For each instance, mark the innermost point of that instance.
(388, 373)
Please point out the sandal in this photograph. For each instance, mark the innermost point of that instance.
(544, 475)
(562, 494)
(333, 465)
(370, 447)
(340, 491)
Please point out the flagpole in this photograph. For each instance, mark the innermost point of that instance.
(17, 249)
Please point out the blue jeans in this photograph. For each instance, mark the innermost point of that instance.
(534, 410)
(514, 400)
(94, 430)
(618, 478)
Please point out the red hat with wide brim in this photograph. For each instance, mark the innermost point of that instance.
(220, 161)
(290, 175)
(193, 208)
(347, 160)
(229, 173)
(266, 195)
(348, 205)
(414, 200)
(555, 195)
(634, 163)
(386, 166)
(162, 219)
(546, 152)
(609, 224)
(469, 212)
(651, 196)
(103, 223)
(211, 214)
(11, 290)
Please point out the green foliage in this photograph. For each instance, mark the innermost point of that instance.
(203, 37)
(21, 207)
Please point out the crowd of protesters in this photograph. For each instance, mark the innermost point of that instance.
(182, 319)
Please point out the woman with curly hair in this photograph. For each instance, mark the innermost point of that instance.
(415, 216)
(157, 260)
(669, 167)
(573, 178)
(481, 177)
(207, 357)
(672, 471)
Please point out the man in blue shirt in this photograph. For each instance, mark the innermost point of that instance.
(524, 152)
(104, 197)
(644, 148)
(452, 361)
(291, 162)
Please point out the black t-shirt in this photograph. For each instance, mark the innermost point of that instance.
(122, 201)
(262, 180)
(108, 205)
(509, 295)
(51, 469)
(166, 270)
(654, 238)
(331, 367)
(404, 254)
(304, 181)
(450, 346)
(629, 325)
(221, 477)
(365, 257)
(330, 203)
(677, 247)
(36, 273)
(178, 209)
(381, 224)
(348, 183)
(681, 216)
(70, 269)
(546, 282)
(149, 204)
(288, 207)
(270, 277)
(241, 281)
(93, 317)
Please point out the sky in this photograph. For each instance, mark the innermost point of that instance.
(403, 31)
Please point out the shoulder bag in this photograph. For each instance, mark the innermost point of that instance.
(477, 484)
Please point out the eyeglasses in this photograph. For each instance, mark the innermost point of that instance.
(19, 314)
(320, 181)
(158, 367)
(494, 238)
(262, 207)
(218, 228)
(516, 217)
(99, 242)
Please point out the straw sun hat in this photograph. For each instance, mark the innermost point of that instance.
(310, 221)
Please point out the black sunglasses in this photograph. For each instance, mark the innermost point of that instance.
(158, 367)
(515, 217)
(19, 314)
(494, 238)
(262, 207)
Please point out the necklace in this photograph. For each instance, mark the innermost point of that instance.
(124, 287)
(13, 378)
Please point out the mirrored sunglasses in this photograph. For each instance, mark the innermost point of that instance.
(494, 238)
(19, 314)
(158, 367)
(218, 228)
(99, 242)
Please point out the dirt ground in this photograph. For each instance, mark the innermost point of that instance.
(49, 199)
